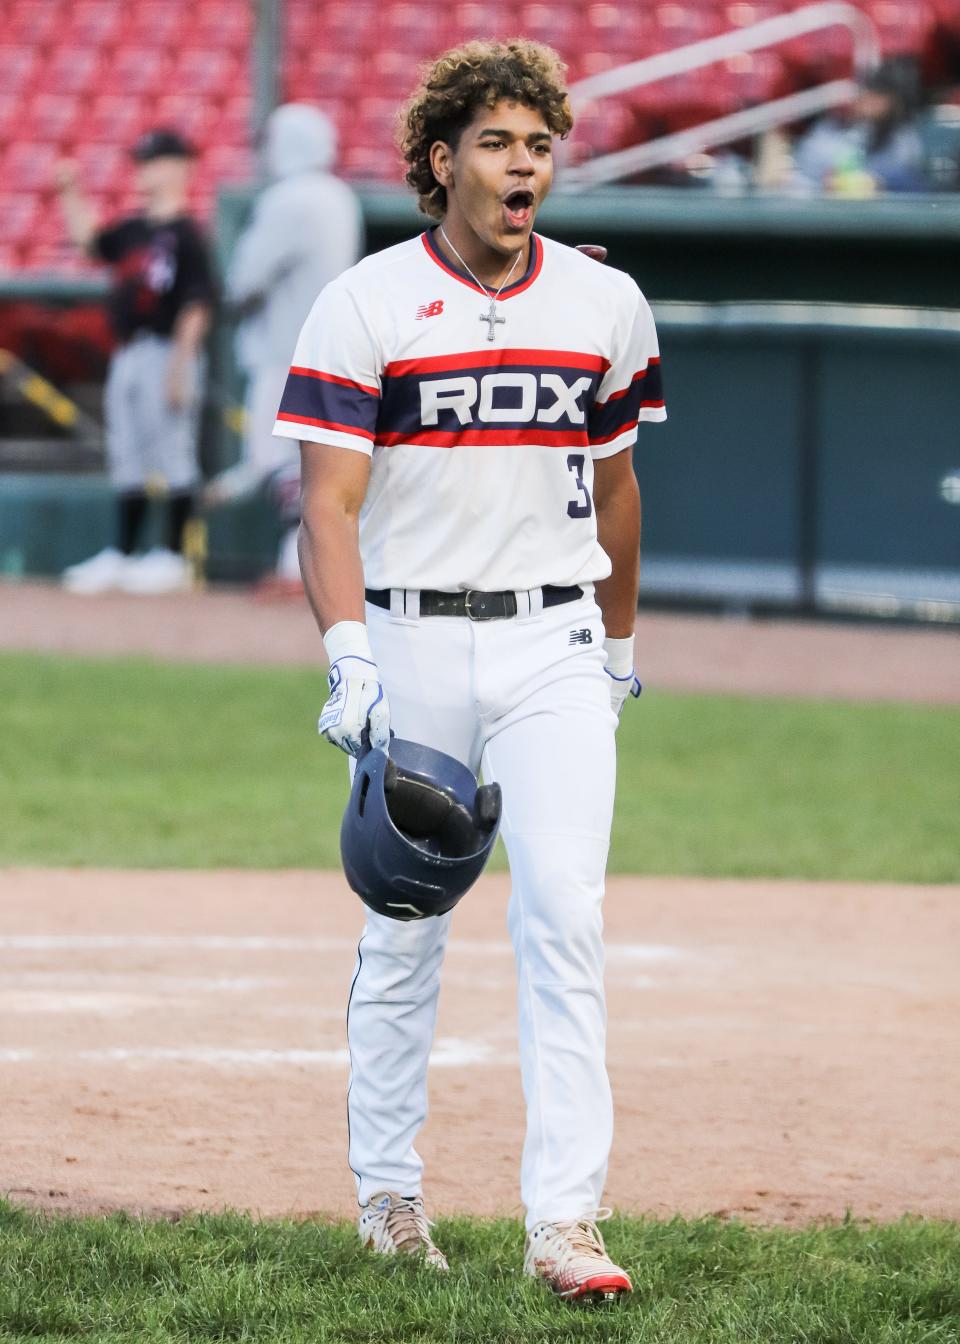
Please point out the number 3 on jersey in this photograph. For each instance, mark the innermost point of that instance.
(579, 508)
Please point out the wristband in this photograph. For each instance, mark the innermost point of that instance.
(348, 639)
(619, 657)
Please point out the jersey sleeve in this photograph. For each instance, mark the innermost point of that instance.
(332, 394)
(631, 390)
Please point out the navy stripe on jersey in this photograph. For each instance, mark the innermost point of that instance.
(326, 401)
(619, 413)
(469, 399)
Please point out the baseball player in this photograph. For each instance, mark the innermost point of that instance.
(306, 228)
(160, 309)
(466, 403)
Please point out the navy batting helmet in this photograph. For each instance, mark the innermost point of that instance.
(417, 830)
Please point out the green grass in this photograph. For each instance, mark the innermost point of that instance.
(226, 1277)
(126, 762)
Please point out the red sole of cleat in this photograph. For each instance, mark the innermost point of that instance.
(605, 1286)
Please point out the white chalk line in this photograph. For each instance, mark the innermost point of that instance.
(73, 942)
(449, 1052)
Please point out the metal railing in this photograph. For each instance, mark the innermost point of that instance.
(734, 126)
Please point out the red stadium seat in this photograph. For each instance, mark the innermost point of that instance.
(156, 22)
(220, 24)
(342, 26)
(225, 163)
(754, 77)
(559, 27)
(366, 162)
(600, 128)
(328, 74)
(145, 71)
(589, 63)
(74, 70)
(11, 258)
(745, 13)
(93, 23)
(200, 70)
(31, 22)
(408, 28)
(392, 73)
(904, 25)
(17, 68)
(815, 57)
(18, 215)
(195, 118)
(103, 167)
(28, 166)
(620, 32)
(373, 124)
(115, 118)
(11, 114)
(677, 25)
(53, 116)
(470, 20)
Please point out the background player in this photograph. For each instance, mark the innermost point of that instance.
(160, 310)
(470, 546)
(306, 228)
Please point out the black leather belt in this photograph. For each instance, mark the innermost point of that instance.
(475, 605)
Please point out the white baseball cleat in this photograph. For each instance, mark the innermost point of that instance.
(392, 1224)
(159, 571)
(572, 1260)
(101, 573)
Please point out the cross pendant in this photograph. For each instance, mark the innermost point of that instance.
(492, 319)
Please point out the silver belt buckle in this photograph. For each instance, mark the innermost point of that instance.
(478, 616)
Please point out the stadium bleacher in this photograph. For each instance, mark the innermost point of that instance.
(81, 78)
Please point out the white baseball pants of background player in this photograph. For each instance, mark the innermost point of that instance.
(146, 437)
(527, 700)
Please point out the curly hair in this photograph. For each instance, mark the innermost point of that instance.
(464, 79)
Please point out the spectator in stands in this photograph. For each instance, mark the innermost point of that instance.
(306, 228)
(875, 145)
(163, 293)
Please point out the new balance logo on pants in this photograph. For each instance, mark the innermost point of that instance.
(581, 637)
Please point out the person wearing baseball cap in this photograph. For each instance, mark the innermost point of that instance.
(160, 308)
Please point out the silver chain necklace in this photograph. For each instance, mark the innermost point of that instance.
(490, 316)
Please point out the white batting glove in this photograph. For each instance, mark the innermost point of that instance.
(357, 698)
(623, 679)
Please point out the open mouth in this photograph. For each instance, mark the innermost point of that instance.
(518, 208)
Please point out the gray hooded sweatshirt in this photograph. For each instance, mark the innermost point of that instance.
(306, 228)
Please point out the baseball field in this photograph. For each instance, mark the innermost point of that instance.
(783, 930)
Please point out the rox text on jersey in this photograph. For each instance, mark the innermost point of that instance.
(533, 396)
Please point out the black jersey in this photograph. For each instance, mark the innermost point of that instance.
(159, 267)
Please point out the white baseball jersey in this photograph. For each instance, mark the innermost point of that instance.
(482, 426)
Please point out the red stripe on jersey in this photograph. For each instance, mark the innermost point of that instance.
(334, 378)
(477, 359)
(323, 424)
(518, 286)
(641, 373)
(434, 438)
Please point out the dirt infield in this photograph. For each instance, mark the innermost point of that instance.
(783, 1051)
(676, 652)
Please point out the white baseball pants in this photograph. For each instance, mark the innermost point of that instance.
(145, 436)
(527, 700)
